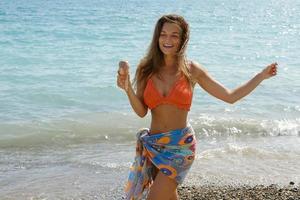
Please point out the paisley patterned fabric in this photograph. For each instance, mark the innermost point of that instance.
(172, 153)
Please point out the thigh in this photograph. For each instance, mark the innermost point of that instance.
(163, 188)
(175, 195)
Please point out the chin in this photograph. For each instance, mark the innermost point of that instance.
(168, 53)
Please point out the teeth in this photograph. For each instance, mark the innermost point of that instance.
(167, 45)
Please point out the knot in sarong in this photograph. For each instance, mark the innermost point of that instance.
(171, 152)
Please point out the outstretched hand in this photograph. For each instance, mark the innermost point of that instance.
(123, 75)
(270, 71)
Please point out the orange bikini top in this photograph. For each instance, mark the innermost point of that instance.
(179, 95)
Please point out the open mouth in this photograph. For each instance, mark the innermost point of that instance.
(168, 46)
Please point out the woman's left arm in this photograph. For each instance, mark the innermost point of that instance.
(213, 87)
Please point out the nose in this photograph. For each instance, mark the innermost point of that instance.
(168, 39)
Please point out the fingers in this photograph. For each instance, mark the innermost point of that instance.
(273, 68)
(122, 76)
(121, 80)
(120, 83)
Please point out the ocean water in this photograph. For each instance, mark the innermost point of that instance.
(68, 132)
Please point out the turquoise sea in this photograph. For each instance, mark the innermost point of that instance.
(68, 132)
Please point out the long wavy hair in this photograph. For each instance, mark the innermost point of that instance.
(154, 58)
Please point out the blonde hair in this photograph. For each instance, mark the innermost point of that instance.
(154, 58)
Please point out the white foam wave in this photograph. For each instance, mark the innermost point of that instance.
(244, 151)
(114, 127)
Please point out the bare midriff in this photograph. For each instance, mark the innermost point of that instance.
(167, 117)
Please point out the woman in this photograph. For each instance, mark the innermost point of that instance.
(164, 83)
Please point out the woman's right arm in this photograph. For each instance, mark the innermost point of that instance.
(136, 100)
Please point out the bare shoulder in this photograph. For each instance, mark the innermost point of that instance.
(196, 69)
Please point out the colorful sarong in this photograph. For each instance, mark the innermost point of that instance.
(172, 153)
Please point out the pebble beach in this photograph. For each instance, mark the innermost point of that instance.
(243, 192)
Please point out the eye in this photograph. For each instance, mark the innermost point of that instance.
(175, 36)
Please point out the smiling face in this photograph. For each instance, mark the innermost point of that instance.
(170, 38)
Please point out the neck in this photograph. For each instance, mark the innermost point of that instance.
(170, 63)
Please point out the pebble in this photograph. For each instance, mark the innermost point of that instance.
(292, 183)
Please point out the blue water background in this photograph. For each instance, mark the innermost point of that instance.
(60, 58)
